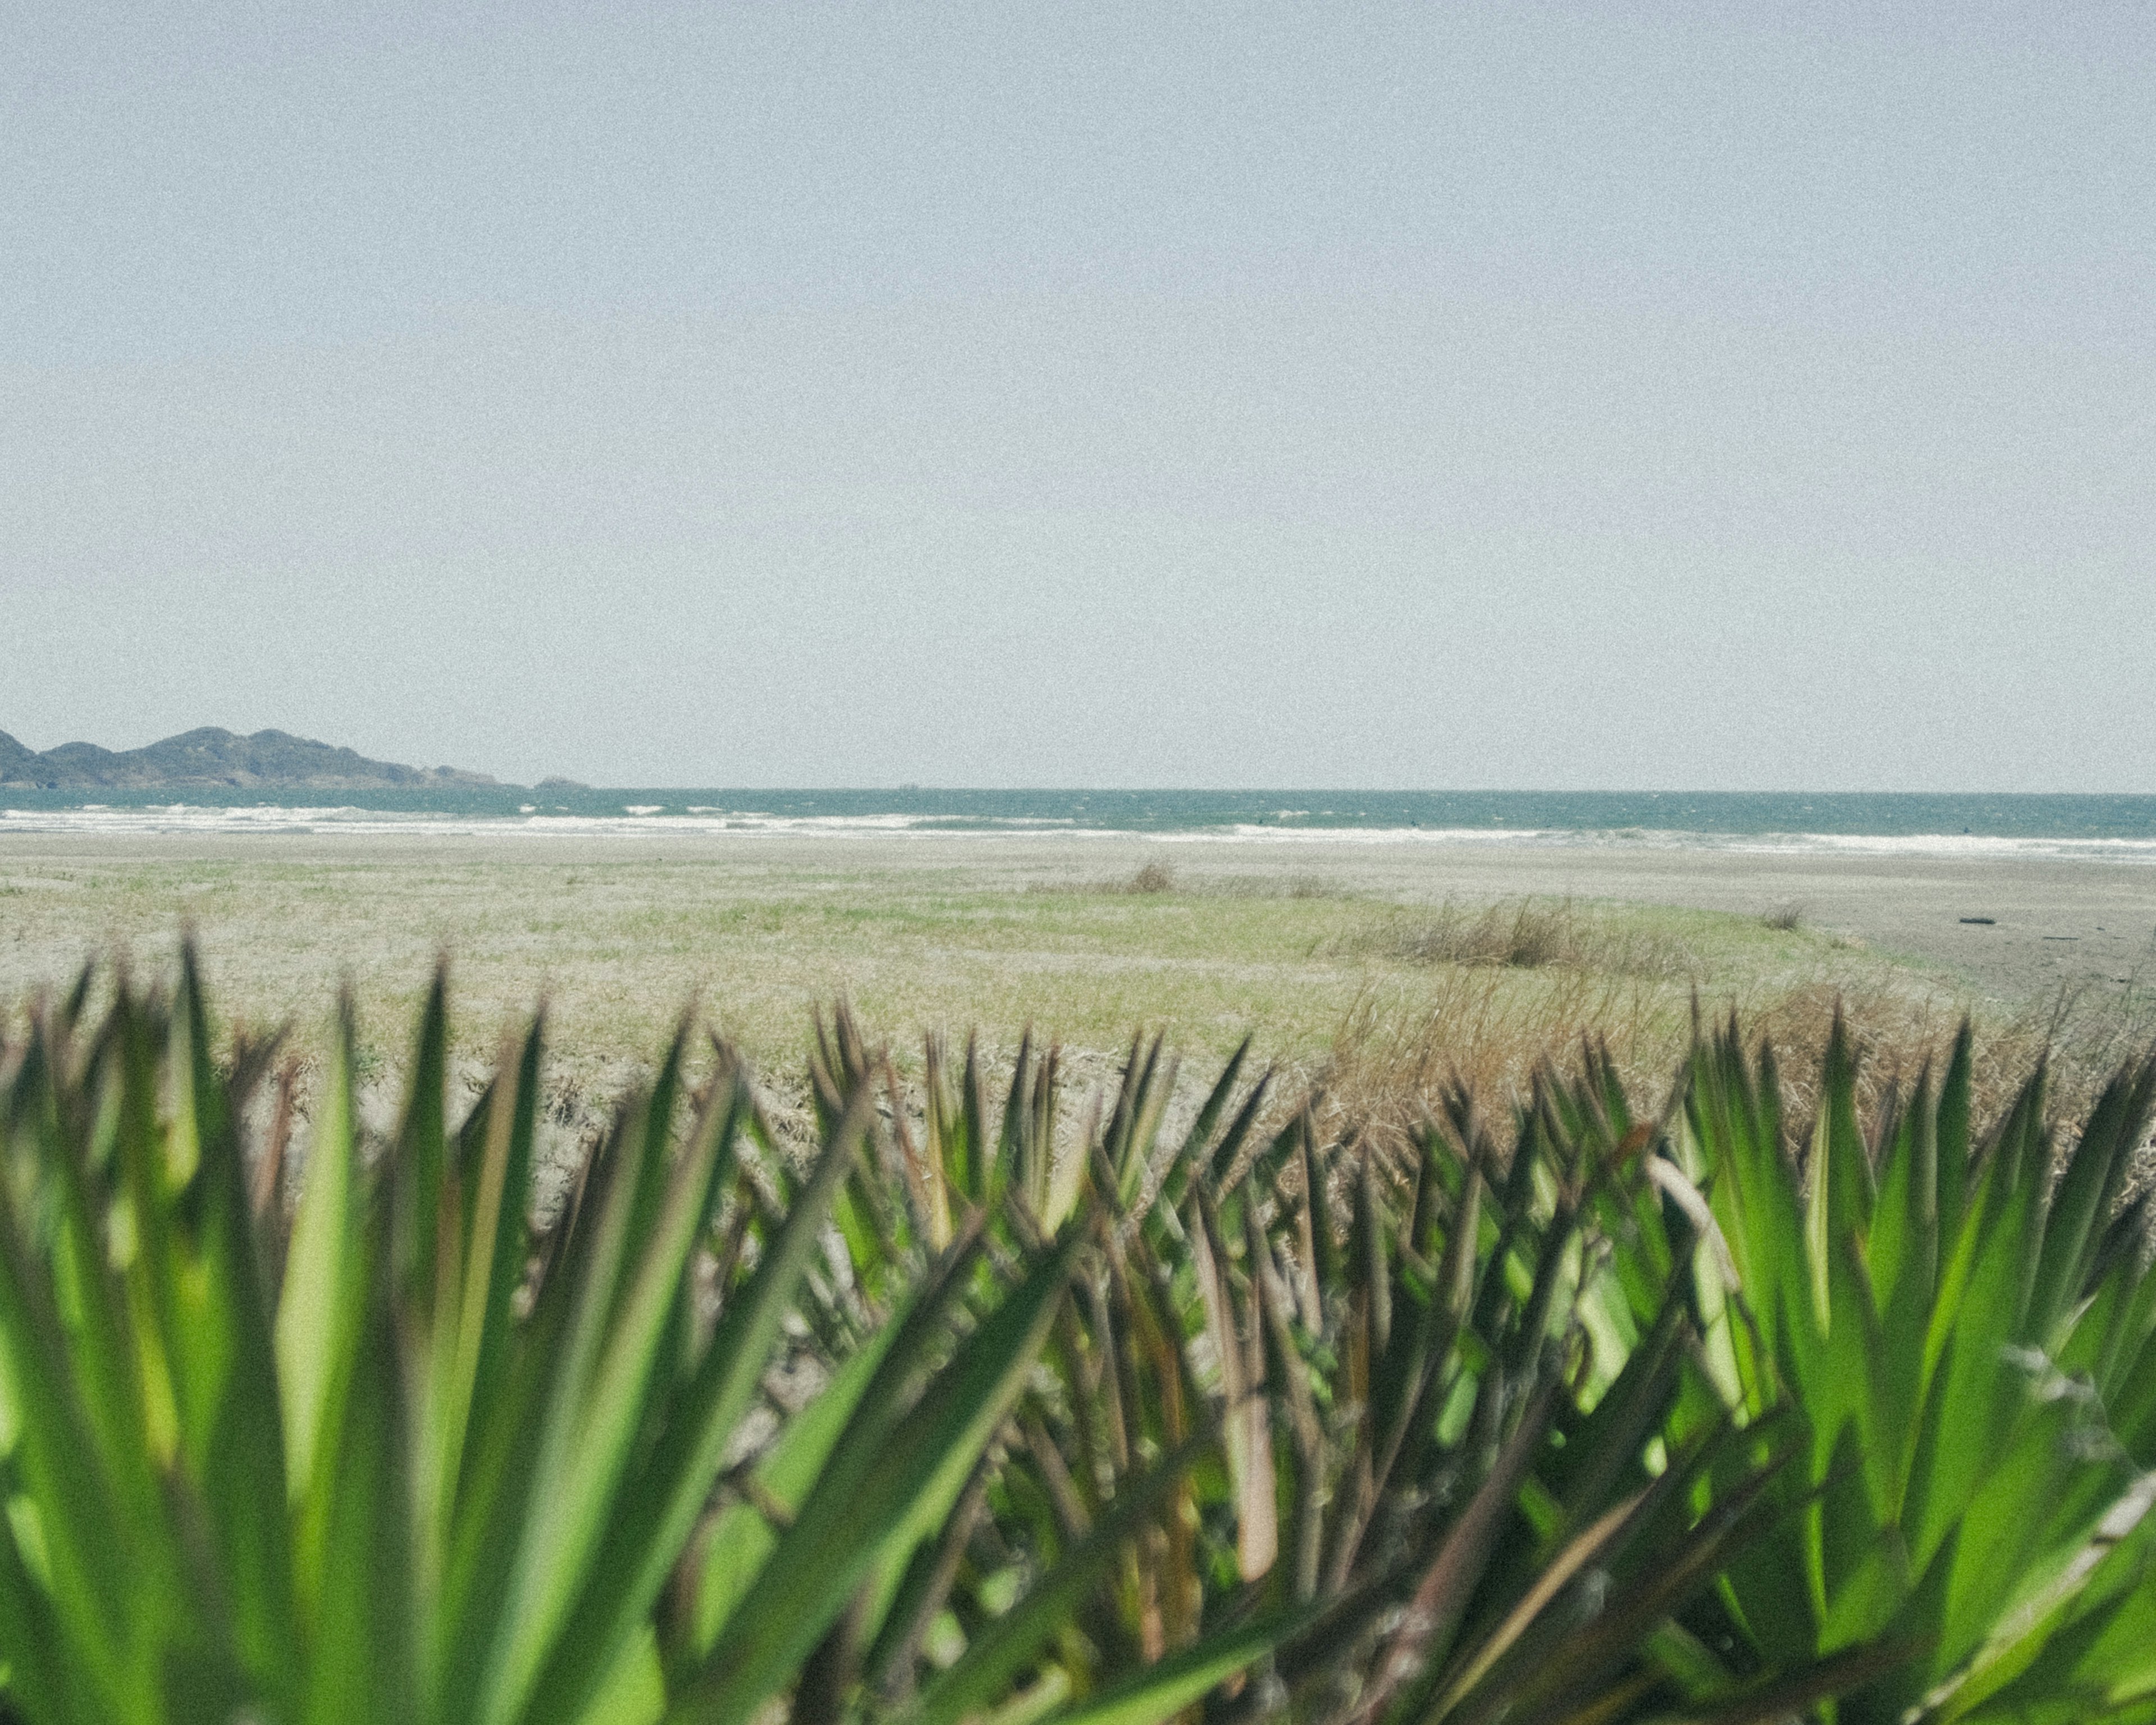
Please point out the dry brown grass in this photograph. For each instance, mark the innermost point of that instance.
(1154, 876)
(1489, 1029)
(1532, 934)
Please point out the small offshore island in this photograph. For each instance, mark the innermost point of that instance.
(212, 758)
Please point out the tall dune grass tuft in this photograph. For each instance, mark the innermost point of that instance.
(1530, 934)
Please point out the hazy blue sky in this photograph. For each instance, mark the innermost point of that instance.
(1628, 396)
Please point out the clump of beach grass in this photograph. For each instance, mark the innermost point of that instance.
(1532, 934)
(1155, 877)
(1147, 879)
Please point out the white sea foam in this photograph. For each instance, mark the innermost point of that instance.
(1936, 844)
(648, 820)
(642, 819)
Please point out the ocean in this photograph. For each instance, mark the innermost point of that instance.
(2111, 828)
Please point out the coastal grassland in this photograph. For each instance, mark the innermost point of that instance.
(1344, 972)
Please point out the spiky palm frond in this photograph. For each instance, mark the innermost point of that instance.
(1425, 1458)
(1961, 1328)
(411, 1463)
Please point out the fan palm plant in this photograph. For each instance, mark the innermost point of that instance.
(1612, 1418)
(1961, 1328)
(1461, 1502)
(415, 1462)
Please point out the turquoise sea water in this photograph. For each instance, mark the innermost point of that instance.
(2120, 826)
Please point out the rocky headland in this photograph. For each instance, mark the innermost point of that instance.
(215, 758)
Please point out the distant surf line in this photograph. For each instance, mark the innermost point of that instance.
(713, 822)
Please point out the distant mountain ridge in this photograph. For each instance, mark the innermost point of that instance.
(273, 760)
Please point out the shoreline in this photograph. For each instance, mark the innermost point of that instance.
(652, 822)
